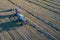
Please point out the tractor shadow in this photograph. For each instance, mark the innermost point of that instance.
(9, 25)
(9, 16)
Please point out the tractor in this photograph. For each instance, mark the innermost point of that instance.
(20, 17)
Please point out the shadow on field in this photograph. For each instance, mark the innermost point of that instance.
(9, 16)
(8, 25)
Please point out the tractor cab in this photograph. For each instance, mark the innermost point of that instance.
(21, 18)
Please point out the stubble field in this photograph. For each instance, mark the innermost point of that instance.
(43, 17)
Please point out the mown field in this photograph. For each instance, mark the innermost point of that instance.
(43, 17)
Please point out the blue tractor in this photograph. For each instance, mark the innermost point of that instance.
(20, 17)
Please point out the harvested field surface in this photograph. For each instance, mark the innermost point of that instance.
(43, 20)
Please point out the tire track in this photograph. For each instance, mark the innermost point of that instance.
(37, 28)
(15, 35)
(19, 36)
(47, 4)
(28, 38)
(46, 28)
(42, 31)
(44, 7)
(28, 30)
(27, 35)
(52, 25)
(49, 18)
(23, 33)
(55, 18)
(53, 2)
(35, 32)
(7, 36)
(49, 23)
